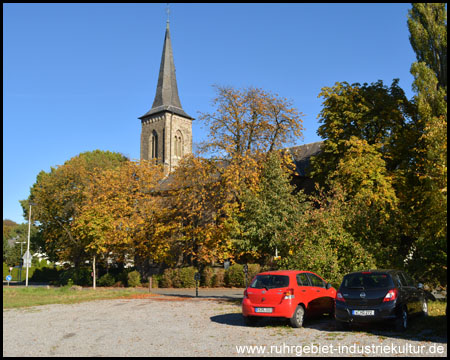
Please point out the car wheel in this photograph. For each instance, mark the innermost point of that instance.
(424, 307)
(401, 322)
(297, 319)
(250, 320)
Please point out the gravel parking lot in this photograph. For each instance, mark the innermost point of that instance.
(173, 326)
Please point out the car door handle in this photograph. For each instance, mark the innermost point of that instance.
(303, 290)
(318, 290)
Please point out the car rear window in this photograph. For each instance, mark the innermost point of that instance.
(367, 280)
(270, 281)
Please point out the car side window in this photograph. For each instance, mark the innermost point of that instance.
(409, 280)
(302, 280)
(397, 280)
(402, 279)
(316, 281)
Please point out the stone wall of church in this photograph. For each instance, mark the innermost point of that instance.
(157, 124)
(168, 128)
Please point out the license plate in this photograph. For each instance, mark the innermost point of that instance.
(363, 312)
(263, 310)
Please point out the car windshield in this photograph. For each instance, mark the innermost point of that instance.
(270, 281)
(367, 281)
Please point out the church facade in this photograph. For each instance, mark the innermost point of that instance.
(166, 134)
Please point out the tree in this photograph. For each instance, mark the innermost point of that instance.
(269, 212)
(370, 132)
(249, 121)
(374, 113)
(323, 242)
(118, 202)
(427, 24)
(196, 213)
(58, 198)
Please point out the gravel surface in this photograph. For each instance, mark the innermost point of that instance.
(171, 326)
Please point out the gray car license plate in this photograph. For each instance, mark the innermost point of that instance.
(363, 312)
(263, 310)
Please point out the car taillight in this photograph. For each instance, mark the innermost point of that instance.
(289, 294)
(391, 295)
(339, 297)
(245, 294)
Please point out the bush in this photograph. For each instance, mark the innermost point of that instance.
(79, 276)
(134, 279)
(253, 270)
(234, 276)
(167, 278)
(207, 276)
(156, 281)
(106, 280)
(218, 279)
(45, 274)
(186, 276)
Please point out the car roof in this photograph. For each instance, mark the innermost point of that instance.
(389, 271)
(284, 272)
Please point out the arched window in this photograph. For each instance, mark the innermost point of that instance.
(154, 145)
(178, 144)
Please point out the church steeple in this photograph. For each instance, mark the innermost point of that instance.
(166, 134)
(166, 97)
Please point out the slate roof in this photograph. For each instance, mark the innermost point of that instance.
(301, 155)
(166, 97)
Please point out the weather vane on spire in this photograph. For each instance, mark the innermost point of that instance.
(168, 12)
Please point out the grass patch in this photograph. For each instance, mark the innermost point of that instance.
(31, 296)
(435, 324)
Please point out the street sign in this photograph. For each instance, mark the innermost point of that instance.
(8, 278)
(27, 259)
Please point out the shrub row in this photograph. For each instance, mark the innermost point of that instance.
(183, 277)
(234, 276)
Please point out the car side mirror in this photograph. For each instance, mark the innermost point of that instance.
(328, 286)
(420, 286)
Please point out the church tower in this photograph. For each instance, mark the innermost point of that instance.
(166, 133)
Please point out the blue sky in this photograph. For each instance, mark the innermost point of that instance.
(76, 77)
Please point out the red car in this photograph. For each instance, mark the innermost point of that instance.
(289, 294)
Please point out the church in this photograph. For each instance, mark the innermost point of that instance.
(166, 134)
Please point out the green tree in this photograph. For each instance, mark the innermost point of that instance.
(269, 212)
(323, 242)
(374, 113)
(58, 197)
(370, 132)
(427, 24)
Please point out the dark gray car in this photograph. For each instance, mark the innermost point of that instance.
(379, 295)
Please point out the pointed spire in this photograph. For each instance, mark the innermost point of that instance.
(166, 97)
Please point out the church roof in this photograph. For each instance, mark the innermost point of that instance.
(301, 155)
(166, 97)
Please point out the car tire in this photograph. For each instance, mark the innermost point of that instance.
(401, 323)
(424, 307)
(250, 320)
(297, 318)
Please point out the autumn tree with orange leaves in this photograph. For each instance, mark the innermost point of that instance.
(119, 204)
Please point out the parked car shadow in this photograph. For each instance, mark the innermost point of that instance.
(386, 330)
(323, 323)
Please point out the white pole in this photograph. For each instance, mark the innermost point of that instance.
(28, 246)
(93, 272)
